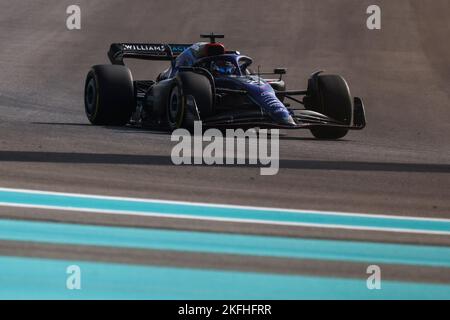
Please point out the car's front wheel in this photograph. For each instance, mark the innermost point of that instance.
(175, 108)
(196, 85)
(331, 97)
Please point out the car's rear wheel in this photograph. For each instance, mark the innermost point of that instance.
(189, 84)
(332, 98)
(109, 95)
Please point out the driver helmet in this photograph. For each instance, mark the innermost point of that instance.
(222, 67)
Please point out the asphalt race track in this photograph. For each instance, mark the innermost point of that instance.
(398, 166)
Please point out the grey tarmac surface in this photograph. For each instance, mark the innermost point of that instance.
(399, 165)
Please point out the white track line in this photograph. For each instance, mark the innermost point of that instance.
(215, 205)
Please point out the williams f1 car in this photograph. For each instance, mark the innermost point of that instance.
(207, 83)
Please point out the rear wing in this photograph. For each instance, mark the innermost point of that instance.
(145, 51)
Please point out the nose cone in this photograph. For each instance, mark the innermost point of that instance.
(283, 118)
(263, 94)
(275, 108)
(289, 121)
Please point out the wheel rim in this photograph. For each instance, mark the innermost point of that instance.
(175, 107)
(91, 96)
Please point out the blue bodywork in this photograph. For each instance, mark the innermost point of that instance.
(259, 91)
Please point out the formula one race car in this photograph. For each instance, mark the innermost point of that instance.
(204, 82)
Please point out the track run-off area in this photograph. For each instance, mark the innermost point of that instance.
(170, 255)
(109, 201)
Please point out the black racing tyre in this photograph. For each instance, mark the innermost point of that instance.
(185, 84)
(176, 107)
(334, 100)
(109, 95)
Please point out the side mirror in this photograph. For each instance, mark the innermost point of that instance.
(280, 71)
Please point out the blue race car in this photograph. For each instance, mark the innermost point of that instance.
(207, 83)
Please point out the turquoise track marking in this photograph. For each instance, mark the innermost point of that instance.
(186, 241)
(30, 278)
(10, 197)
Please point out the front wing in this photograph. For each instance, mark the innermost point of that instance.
(304, 119)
